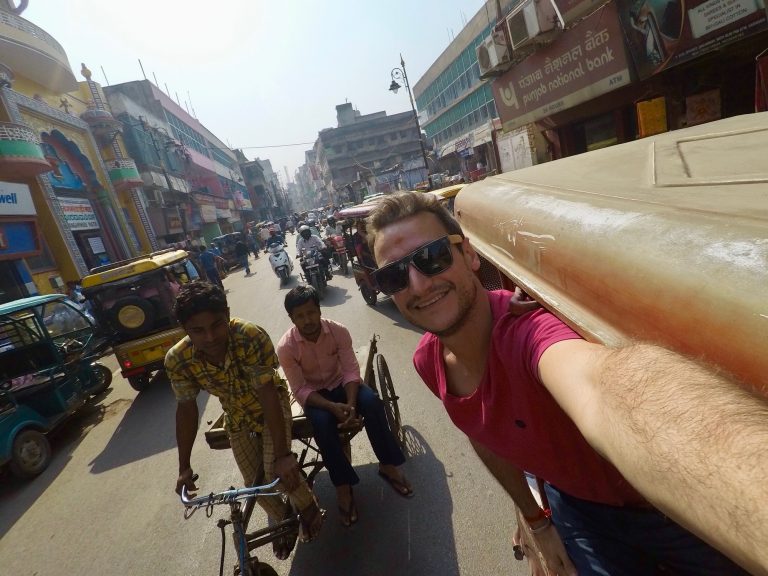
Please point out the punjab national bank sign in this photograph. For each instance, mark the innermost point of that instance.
(584, 62)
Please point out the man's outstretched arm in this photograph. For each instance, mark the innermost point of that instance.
(691, 441)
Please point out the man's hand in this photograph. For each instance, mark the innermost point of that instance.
(552, 552)
(287, 469)
(520, 303)
(186, 479)
(346, 414)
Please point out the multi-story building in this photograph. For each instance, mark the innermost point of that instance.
(193, 187)
(362, 148)
(64, 208)
(456, 106)
(569, 76)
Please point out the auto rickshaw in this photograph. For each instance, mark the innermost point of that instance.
(48, 348)
(133, 302)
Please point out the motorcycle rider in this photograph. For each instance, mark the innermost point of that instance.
(307, 241)
(333, 228)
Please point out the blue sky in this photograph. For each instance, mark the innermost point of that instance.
(259, 73)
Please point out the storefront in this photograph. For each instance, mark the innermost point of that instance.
(633, 69)
(19, 239)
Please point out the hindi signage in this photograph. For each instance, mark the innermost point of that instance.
(584, 62)
(207, 213)
(78, 213)
(664, 33)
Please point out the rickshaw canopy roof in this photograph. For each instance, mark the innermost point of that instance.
(128, 268)
(359, 211)
(448, 191)
(30, 302)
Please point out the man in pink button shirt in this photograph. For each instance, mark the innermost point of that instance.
(320, 364)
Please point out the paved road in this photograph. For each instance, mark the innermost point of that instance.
(106, 506)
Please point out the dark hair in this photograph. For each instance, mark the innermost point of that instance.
(396, 207)
(196, 297)
(299, 296)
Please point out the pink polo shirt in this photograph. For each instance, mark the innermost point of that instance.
(322, 365)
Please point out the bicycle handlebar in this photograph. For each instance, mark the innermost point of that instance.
(229, 496)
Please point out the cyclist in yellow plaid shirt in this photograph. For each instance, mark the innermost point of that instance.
(235, 361)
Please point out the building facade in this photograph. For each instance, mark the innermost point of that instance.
(456, 105)
(192, 185)
(363, 149)
(65, 208)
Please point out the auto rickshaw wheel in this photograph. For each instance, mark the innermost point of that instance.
(388, 396)
(31, 454)
(101, 378)
(133, 315)
(139, 382)
(369, 294)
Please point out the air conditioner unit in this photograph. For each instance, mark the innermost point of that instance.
(533, 21)
(493, 54)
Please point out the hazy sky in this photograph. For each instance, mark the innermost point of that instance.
(259, 73)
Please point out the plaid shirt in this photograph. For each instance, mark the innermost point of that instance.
(250, 363)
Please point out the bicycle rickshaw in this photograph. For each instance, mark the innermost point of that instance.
(361, 270)
(48, 371)
(378, 377)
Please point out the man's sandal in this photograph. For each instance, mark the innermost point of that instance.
(349, 515)
(283, 546)
(310, 521)
(403, 488)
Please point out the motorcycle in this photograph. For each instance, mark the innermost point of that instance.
(282, 265)
(314, 271)
(291, 228)
(338, 247)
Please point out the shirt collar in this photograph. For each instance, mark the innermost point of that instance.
(324, 329)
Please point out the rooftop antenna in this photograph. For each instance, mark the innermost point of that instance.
(142, 69)
(177, 99)
(105, 75)
(156, 82)
(167, 92)
(194, 115)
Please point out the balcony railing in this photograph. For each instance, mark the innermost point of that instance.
(20, 152)
(26, 26)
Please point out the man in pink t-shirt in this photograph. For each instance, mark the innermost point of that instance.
(608, 430)
(318, 360)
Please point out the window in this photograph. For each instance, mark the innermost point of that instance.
(42, 262)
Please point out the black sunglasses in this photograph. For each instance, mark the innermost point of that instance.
(431, 259)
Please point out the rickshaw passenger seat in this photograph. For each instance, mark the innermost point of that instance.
(28, 359)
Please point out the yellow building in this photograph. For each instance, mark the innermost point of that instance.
(68, 199)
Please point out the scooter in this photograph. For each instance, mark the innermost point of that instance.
(282, 265)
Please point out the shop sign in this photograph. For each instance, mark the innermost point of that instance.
(224, 214)
(582, 63)
(207, 213)
(661, 34)
(174, 223)
(16, 200)
(78, 213)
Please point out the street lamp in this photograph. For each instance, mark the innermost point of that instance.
(400, 74)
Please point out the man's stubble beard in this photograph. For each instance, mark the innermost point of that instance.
(466, 302)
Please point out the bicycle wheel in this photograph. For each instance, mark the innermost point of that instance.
(388, 396)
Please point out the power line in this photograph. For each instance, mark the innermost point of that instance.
(273, 146)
